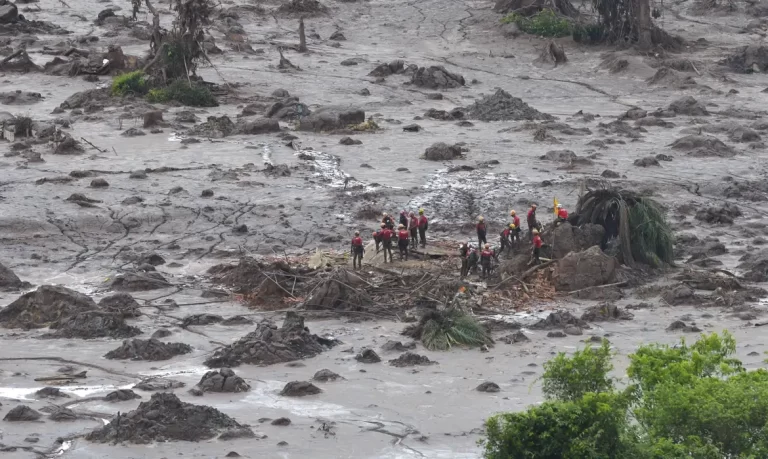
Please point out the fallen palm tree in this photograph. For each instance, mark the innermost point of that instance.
(637, 222)
(441, 330)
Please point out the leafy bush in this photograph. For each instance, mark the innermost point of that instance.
(545, 23)
(683, 402)
(134, 83)
(440, 330)
(193, 95)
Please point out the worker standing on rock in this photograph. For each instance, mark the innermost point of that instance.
(388, 222)
(402, 241)
(423, 226)
(464, 255)
(562, 215)
(537, 243)
(377, 237)
(486, 258)
(532, 222)
(386, 240)
(481, 231)
(357, 251)
(413, 227)
(515, 235)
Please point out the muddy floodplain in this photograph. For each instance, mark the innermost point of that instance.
(117, 341)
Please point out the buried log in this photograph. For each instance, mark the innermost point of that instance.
(552, 55)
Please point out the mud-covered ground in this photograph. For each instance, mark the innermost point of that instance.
(377, 411)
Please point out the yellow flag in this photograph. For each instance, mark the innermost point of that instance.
(556, 203)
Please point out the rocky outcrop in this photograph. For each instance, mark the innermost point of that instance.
(44, 306)
(589, 268)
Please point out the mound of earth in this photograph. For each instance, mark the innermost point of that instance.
(688, 106)
(442, 152)
(749, 59)
(703, 146)
(154, 383)
(224, 380)
(93, 324)
(589, 268)
(51, 392)
(368, 356)
(558, 319)
(305, 8)
(755, 265)
(121, 303)
(331, 119)
(214, 128)
(121, 395)
(236, 320)
(723, 214)
(201, 319)
(262, 281)
(605, 312)
(22, 413)
(299, 389)
(47, 304)
(410, 359)
(502, 106)
(150, 349)
(343, 290)
(9, 280)
(667, 77)
(139, 282)
(268, 345)
(488, 386)
(574, 238)
(436, 77)
(385, 70)
(165, 418)
(397, 346)
(325, 376)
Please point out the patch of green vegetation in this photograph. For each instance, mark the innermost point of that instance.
(681, 401)
(441, 330)
(131, 83)
(185, 93)
(588, 34)
(545, 23)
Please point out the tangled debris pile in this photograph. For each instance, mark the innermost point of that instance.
(44, 306)
(121, 303)
(268, 345)
(165, 418)
(605, 312)
(150, 349)
(502, 106)
(224, 380)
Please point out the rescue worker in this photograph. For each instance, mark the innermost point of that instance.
(377, 237)
(537, 243)
(486, 257)
(423, 226)
(481, 231)
(473, 259)
(413, 227)
(387, 220)
(562, 215)
(515, 235)
(404, 218)
(402, 241)
(506, 235)
(357, 251)
(464, 255)
(532, 222)
(386, 240)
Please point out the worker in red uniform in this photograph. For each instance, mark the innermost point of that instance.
(506, 238)
(481, 231)
(402, 241)
(486, 257)
(413, 227)
(537, 243)
(562, 214)
(386, 240)
(533, 223)
(377, 237)
(515, 235)
(423, 226)
(357, 251)
(388, 221)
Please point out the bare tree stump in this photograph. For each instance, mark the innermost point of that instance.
(302, 36)
(551, 56)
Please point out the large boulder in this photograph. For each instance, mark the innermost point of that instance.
(258, 126)
(47, 304)
(566, 238)
(436, 77)
(585, 269)
(332, 119)
(8, 13)
(441, 151)
(224, 380)
(9, 280)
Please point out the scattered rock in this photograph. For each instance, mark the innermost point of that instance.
(99, 183)
(610, 174)
(397, 346)
(558, 319)
(679, 325)
(724, 214)
(410, 359)
(331, 119)
(501, 106)
(442, 152)
(161, 333)
(22, 413)
(488, 386)
(10, 281)
(368, 356)
(325, 375)
(703, 146)
(517, 337)
(121, 395)
(589, 268)
(572, 330)
(154, 383)
(201, 319)
(165, 418)
(412, 128)
(135, 282)
(281, 422)
(51, 392)
(688, 106)
(92, 324)
(224, 380)
(44, 306)
(151, 349)
(605, 312)
(121, 303)
(436, 77)
(299, 389)
(350, 141)
(648, 161)
(385, 70)
(61, 414)
(556, 334)
(207, 193)
(748, 59)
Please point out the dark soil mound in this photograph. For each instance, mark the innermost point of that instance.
(44, 306)
(410, 359)
(325, 376)
(749, 59)
(558, 319)
(165, 418)
(723, 214)
(488, 386)
(306, 8)
(153, 383)
(93, 324)
(502, 106)
(201, 319)
(281, 422)
(51, 392)
(139, 282)
(299, 389)
(237, 320)
(343, 290)
(688, 106)
(268, 345)
(679, 325)
(605, 312)
(9, 280)
(121, 303)
(397, 346)
(517, 337)
(22, 413)
(442, 152)
(436, 77)
(385, 70)
(703, 146)
(368, 356)
(150, 349)
(121, 395)
(224, 380)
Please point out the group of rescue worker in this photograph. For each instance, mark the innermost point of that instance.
(412, 229)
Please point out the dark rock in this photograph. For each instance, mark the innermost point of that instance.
(326, 376)
(337, 36)
(435, 96)
(9, 280)
(22, 413)
(224, 380)
(442, 152)
(589, 268)
(436, 77)
(281, 422)
(688, 106)
(61, 414)
(517, 337)
(646, 162)
(559, 319)
(679, 325)
(331, 119)
(385, 70)
(207, 193)
(201, 319)
(133, 132)
(153, 383)
(368, 356)
(299, 389)
(161, 333)
(121, 395)
(44, 306)
(703, 146)
(412, 128)
(153, 118)
(556, 334)
(572, 330)
(135, 282)
(236, 320)
(121, 303)
(610, 174)
(139, 175)
(397, 346)
(151, 349)
(93, 324)
(605, 312)
(488, 386)
(257, 126)
(350, 141)
(51, 392)
(502, 106)
(99, 183)
(410, 359)
(724, 214)
(241, 229)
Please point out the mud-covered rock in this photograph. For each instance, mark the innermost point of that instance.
(442, 152)
(755, 265)
(679, 294)
(397, 346)
(299, 389)
(121, 303)
(236, 320)
(22, 413)
(9, 280)
(331, 119)
(139, 282)
(150, 349)
(161, 333)
(575, 238)
(703, 146)
(387, 69)
(589, 268)
(257, 126)
(165, 418)
(325, 375)
(155, 383)
(488, 386)
(201, 319)
(224, 380)
(93, 324)
(61, 414)
(605, 312)
(502, 106)
(647, 161)
(121, 395)
(410, 359)
(517, 337)
(214, 128)
(51, 392)
(44, 306)
(350, 141)
(679, 325)
(282, 422)
(688, 106)
(723, 214)
(744, 134)
(559, 319)
(368, 356)
(436, 77)
(302, 8)
(748, 59)
(268, 345)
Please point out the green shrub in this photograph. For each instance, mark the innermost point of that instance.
(569, 378)
(440, 330)
(545, 23)
(193, 95)
(131, 83)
